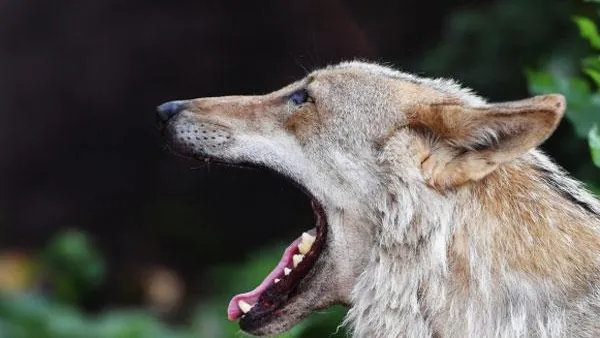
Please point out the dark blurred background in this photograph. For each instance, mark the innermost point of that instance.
(83, 165)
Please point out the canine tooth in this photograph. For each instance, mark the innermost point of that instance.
(277, 280)
(286, 271)
(306, 237)
(296, 259)
(245, 307)
(306, 242)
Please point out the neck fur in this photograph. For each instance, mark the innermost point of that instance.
(452, 253)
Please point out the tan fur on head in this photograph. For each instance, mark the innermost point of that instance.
(304, 123)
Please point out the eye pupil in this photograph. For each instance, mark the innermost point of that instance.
(299, 96)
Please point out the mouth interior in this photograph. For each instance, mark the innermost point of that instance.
(282, 283)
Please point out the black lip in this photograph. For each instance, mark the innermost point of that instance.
(277, 295)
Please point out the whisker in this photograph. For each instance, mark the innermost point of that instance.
(299, 63)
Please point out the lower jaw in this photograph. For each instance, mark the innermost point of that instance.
(271, 303)
(300, 303)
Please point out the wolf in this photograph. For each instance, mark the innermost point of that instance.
(436, 216)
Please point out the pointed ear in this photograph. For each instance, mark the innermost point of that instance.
(470, 142)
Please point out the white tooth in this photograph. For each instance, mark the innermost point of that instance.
(306, 237)
(245, 307)
(296, 259)
(286, 271)
(303, 248)
(277, 280)
(306, 243)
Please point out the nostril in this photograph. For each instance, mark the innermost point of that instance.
(169, 109)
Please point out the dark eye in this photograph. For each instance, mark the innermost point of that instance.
(300, 96)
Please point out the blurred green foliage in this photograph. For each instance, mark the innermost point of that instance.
(35, 316)
(581, 88)
(486, 44)
(72, 265)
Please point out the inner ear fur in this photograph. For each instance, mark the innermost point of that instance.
(467, 143)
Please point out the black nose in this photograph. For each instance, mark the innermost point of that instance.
(169, 109)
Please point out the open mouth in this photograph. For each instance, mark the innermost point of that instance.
(284, 285)
(257, 307)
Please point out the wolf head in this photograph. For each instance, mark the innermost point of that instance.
(343, 133)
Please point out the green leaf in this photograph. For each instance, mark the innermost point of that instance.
(594, 74)
(74, 264)
(594, 142)
(592, 62)
(588, 30)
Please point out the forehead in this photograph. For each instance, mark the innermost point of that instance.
(399, 81)
(352, 70)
